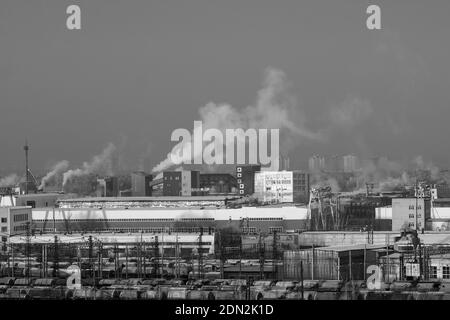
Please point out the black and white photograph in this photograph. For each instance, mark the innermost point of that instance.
(224, 158)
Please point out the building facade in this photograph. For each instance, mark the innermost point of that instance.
(245, 177)
(218, 183)
(410, 213)
(181, 183)
(274, 186)
(14, 220)
(140, 184)
(301, 186)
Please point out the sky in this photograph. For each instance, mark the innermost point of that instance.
(137, 70)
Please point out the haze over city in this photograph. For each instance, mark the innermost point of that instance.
(340, 88)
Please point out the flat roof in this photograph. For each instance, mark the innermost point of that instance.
(353, 247)
(34, 195)
(150, 199)
(16, 207)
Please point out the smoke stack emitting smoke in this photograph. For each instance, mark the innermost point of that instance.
(274, 109)
(57, 170)
(100, 164)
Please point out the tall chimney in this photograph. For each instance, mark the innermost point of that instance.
(26, 148)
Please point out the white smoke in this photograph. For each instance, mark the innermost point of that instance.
(350, 112)
(57, 169)
(274, 109)
(10, 180)
(100, 164)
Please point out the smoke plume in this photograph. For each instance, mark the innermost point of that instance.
(10, 180)
(274, 109)
(57, 170)
(102, 164)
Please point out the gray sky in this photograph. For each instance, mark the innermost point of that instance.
(140, 69)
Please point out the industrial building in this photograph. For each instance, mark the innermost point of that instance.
(245, 175)
(181, 183)
(218, 183)
(140, 184)
(107, 187)
(332, 262)
(274, 186)
(160, 220)
(14, 220)
(410, 212)
(301, 186)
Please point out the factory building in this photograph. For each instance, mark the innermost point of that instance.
(218, 183)
(274, 186)
(410, 212)
(40, 200)
(300, 188)
(282, 186)
(181, 183)
(159, 220)
(13, 220)
(140, 184)
(245, 177)
(107, 187)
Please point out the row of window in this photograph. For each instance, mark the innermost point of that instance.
(412, 215)
(253, 229)
(20, 228)
(21, 217)
(146, 230)
(445, 272)
(412, 224)
(411, 207)
(4, 220)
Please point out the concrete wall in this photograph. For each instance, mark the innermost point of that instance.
(322, 239)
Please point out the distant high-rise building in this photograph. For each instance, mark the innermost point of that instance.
(316, 163)
(350, 163)
(140, 184)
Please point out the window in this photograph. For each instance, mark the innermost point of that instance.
(411, 224)
(275, 229)
(433, 272)
(446, 272)
(411, 216)
(4, 220)
(4, 229)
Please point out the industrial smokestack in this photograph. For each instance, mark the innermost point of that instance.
(26, 148)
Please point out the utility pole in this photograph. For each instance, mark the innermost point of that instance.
(261, 258)
(55, 258)
(27, 250)
(301, 279)
(221, 255)
(90, 256)
(200, 258)
(274, 255)
(156, 257)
